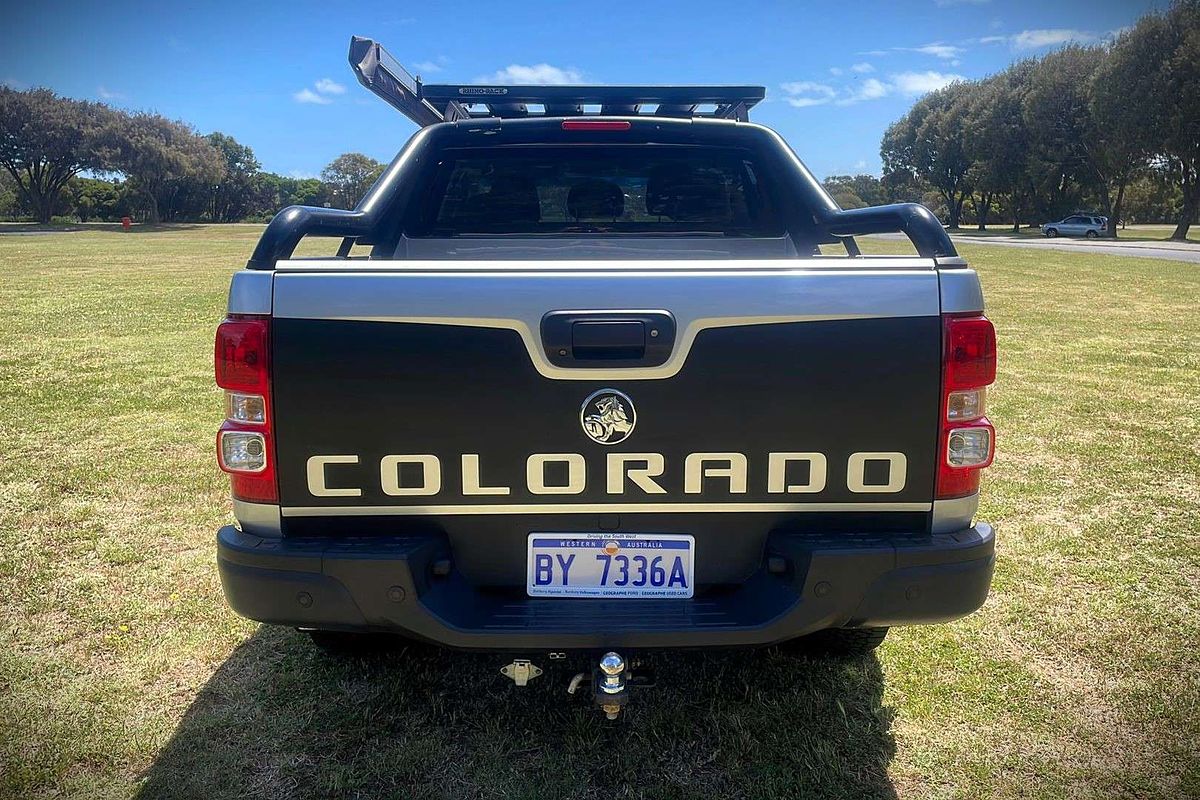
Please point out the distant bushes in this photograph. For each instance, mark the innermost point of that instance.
(81, 161)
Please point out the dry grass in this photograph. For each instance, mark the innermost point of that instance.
(122, 671)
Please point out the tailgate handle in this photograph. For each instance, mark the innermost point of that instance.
(591, 339)
(615, 340)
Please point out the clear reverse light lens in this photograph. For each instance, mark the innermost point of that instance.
(245, 407)
(969, 447)
(243, 451)
(967, 405)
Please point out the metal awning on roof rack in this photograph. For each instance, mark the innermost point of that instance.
(429, 104)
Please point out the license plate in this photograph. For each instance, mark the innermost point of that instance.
(609, 565)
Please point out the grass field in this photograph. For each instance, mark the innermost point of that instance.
(123, 673)
(1131, 233)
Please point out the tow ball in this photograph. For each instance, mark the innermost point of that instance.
(611, 682)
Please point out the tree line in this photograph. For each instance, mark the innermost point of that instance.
(1113, 128)
(74, 158)
(1105, 127)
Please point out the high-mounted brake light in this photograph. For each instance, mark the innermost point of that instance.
(244, 447)
(596, 125)
(968, 440)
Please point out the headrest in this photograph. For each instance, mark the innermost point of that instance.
(511, 198)
(595, 198)
(682, 193)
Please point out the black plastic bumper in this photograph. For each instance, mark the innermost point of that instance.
(806, 583)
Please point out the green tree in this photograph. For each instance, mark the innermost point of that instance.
(93, 198)
(1156, 65)
(45, 140)
(348, 177)
(1153, 197)
(856, 191)
(169, 164)
(929, 144)
(307, 192)
(1066, 88)
(998, 141)
(8, 196)
(235, 195)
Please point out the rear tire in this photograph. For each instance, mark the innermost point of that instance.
(1091, 235)
(838, 642)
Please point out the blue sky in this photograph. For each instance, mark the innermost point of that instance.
(837, 73)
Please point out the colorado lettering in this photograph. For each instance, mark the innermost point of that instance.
(423, 475)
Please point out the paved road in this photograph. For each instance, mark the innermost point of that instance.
(1172, 251)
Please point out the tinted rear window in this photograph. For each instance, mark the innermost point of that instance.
(598, 190)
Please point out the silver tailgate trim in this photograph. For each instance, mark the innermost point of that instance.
(515, 295)
(595, 508)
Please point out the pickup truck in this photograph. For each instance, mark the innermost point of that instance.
(593, 388)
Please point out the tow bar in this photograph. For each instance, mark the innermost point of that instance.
(612, 680)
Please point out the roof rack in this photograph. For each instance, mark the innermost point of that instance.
(429, 104)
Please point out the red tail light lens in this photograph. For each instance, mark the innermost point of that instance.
(241, 354)
(968, 440)
(970, 355)
(244, 444)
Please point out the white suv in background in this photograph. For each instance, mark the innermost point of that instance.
(1077, 225)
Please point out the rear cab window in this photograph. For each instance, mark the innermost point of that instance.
(641, 190)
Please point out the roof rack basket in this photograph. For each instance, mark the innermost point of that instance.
(429, 104)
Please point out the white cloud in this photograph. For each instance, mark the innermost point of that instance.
(1038, 38)
(538, 74)
(802, 94)
(875, 53)
(937, 49)
(915, 83)
(307, 95)
(862, 68)
(805, 102)
(13, 83)
(1049, 37)
(860, 164)
(106, 94)
(835, 70)
(870, 89)
(300, 174)
(328, 86)
(432, 65)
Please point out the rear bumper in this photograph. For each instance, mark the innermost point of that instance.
(388, 584)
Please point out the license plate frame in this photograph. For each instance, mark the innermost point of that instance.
(631, 556)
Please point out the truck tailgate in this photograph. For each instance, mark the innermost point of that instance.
(422, 396)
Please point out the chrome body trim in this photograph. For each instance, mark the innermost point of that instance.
(250, 292)
(960, 291)
(516, 295)
(594, 508)
(260, 519)
(954, 515)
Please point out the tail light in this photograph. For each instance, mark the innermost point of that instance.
(968, 440)
(243, 369)
(596, 125)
